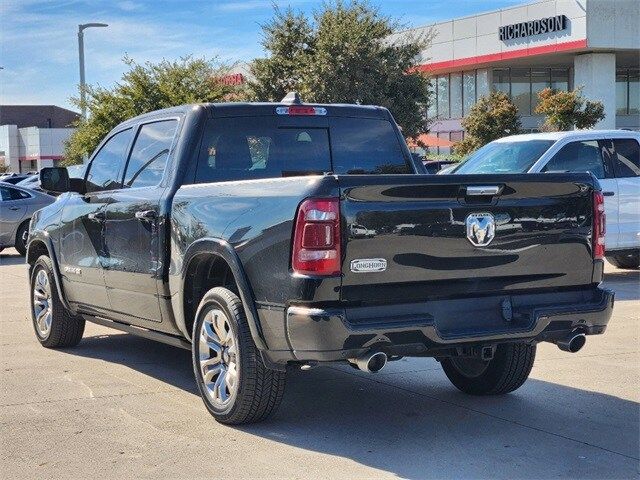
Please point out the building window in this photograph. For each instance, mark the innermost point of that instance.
(622, 92)
(468, 91)
(456, 136)
(634, 91)
(539, 81)
(455, 95)
(482, 83)
(432, 111)
(501, 82)
(521, 90)
(560, 79)
(452, 96)
(524, 84)
(442, 86)
(441, 149)
(627, 91)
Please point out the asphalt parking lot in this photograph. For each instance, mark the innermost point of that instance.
(119, 406)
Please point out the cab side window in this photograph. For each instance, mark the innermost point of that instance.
(106, 167)
(627, 157)
(149, 154)
(584, 156)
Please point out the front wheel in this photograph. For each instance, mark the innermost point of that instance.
(55, 327)
(234, 383)
(505, 372)
(629, 261)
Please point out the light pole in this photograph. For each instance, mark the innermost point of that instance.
(81, 29)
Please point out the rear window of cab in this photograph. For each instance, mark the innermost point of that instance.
(244, 148)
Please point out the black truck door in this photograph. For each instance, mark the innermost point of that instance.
(82, 249)
(134, 224)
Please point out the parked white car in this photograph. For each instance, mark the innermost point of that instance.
(613, 156)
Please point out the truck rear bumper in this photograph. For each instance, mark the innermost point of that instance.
(415, 329)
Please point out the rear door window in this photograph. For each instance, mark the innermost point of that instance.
(365, 145)
(149, 154)
(9, 194)
(627, 157)
(584, 156)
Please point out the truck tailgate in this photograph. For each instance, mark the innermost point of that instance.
(417, 237)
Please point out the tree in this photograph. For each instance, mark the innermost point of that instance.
(288, 37)
(143, 88)
(345, 53)
(566, 110)
(492, 117)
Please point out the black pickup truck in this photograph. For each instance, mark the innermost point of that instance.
(271, 236)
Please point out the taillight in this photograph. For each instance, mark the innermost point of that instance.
(599, 225)
(316, 238)
(301, 110)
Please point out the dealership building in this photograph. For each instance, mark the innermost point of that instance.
(563, 44)
(521, 50)
(33, 136)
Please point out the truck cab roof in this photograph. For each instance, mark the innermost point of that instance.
(241, 109)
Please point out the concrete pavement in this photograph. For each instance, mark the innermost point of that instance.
(118, 406)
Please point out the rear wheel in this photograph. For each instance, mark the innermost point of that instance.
(21, 238)
(54, 326)
(630, 260)
(234, 383)
(505, 372)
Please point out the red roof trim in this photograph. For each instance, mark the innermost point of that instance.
(496, 57)
(429, 141)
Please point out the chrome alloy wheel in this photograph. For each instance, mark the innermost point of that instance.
(218, 357)
(42, 308)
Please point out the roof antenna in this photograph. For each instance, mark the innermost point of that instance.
(292, 98)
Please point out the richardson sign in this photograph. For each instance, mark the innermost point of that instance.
(533, 27)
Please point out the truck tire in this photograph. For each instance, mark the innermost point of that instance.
(234, 383)
(21, 238)
(55, 327)
(507, 371)
(629, 261)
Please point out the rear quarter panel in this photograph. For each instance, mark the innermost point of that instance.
(256, 218)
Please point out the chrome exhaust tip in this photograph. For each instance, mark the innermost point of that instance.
(371, 362)
(572, 343)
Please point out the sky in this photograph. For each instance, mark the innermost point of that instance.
(39, 45)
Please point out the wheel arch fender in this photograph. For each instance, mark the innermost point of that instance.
(220, 248)
(40, 243)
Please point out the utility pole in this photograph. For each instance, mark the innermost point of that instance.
(81, 28)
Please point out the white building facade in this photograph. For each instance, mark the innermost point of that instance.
(31, 148)
(563, 44)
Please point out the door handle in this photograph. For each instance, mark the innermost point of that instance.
(97, 216)
(14, 208)
(481, 190)
(149, 215)
(608, 194)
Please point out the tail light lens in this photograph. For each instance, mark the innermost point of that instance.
(316, 238)
(599, 225)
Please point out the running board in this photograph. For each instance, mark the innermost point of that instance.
(140, 332)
